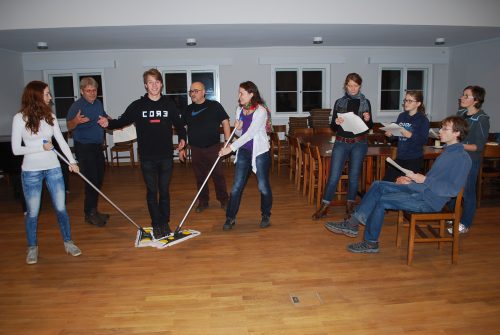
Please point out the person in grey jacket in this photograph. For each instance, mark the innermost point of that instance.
(471, 102)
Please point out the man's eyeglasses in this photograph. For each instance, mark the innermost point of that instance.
(91, 90)
(194, 91)
(406, 100)
(446, 128)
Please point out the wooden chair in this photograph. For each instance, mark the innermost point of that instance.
(323, 131)
(306, 167)
(319, 117)
(127, 146)
(105, 147)
(298, 163)
(431, 227)
(296, 122)
(489, 168)
(303, 131)
(279, 152)
(292, 161)
(316, 176)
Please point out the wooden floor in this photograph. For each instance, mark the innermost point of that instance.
(241, 281)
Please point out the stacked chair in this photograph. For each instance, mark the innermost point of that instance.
(320, 118)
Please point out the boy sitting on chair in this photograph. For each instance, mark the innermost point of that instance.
(413, 192)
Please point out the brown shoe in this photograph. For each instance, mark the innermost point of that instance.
(321, 212)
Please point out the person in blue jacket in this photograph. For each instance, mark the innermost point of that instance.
(414, 192)
(410, 153)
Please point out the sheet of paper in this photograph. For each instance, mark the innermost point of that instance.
(125, 134)
(353, 123)
(393, 128)
(397, 166)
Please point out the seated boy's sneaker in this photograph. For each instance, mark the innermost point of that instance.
(342, 227)
(461, 229)
(363, 247)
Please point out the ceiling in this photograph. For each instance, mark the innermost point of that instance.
(240, 36)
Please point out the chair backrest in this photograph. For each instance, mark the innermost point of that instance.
(323, 130)
(303, 131)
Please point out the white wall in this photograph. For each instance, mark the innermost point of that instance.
(477, 64)
(123, 80)
(11, 88)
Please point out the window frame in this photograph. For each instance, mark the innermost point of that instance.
(75, 73)
(189, 70)
(325, 68)
(404, 68)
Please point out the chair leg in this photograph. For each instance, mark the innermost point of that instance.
(411, 241)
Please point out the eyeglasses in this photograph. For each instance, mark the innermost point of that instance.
(90, 90)
(445, 128)
(194, 91)
(465, 96)
(406, 100)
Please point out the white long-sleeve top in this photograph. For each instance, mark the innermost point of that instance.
(35, 157)
(256, 131)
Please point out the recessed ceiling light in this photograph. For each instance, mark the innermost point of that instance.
(318, 40)
(42, 46)
(191, 42)
(440, 41)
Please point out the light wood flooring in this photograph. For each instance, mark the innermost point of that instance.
(241, 281)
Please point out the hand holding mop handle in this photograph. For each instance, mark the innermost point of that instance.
(203, 185)
(99, 191)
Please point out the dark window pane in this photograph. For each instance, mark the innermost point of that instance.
(207, 78)
(180, 100)
(312, 80)
(415, 80)
(286, 81)
(390, 100)
(175, 83)
(62, 106)
(286, 102)
(63, 86)
(391, 79)
(311, 100)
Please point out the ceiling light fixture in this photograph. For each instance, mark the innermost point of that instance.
(318, 40)
(191, 42)
(42, 46)
(440, 41)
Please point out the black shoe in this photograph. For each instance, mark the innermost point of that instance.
(228, 225)
(161, 232)
(265, 222)
(103, 216)
(201, 207)
(223, 204)
(94, 219)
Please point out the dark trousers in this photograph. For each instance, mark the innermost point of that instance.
(91, 162)
(203, 160)
(157, 174)
(416, 165)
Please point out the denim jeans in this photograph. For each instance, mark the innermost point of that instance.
(91, 162)
(32, 187)
(469, 202)
(384, 195)
(242, 171)
(156, 174)
(356, 153)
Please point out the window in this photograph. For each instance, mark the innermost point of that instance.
(395, 81)
(65, 88)
(178, 80)
(298, 89)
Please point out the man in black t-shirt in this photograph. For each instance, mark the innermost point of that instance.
(203, 119)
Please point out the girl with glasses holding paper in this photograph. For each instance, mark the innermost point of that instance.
(413, 137)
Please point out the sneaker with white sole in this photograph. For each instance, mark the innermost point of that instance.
(342, 227)
(363, 247)
(72, 249)
(461, 229)
(32, 257)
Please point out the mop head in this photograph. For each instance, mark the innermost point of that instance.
(143, 240)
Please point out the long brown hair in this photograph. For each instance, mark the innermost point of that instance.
(250, 87)
(419, 97)
(33, 106)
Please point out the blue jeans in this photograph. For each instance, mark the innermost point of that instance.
(469, 202)
(32, 187)
(341, 151)
(384, 195)
(157, 174)
(242, 171)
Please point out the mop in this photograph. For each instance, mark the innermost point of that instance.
(179, 235)
(144, 235)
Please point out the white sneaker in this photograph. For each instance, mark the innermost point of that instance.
(461, 229)
(32, 256)
(72, 249)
